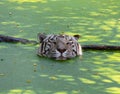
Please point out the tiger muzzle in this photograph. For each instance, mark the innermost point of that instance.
(61, 46)
(61, 50)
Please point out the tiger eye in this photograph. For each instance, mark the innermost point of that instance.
(73, 45)
(54, 43)
(70, 42)
(67, 43)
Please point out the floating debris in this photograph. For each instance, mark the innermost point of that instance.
(35, 70)
(2, 74)
(1, 59)
(34, 64)
(53, 78)
(28, 81)
(10, 13)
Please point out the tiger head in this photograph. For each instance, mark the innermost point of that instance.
(60, 47)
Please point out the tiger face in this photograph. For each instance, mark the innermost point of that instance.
(60, 47)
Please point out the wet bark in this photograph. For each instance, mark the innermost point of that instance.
(100, 47)
(16, 40)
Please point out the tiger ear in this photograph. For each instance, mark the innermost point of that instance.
(41, 37)
(76, 37)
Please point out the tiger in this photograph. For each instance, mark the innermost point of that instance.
(59, 47)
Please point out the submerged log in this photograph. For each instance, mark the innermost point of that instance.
(100, 47)
(16, 40)
(86, 47)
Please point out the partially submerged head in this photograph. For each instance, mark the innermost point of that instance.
(60, 47)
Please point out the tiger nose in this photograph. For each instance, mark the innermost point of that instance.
(61, 50)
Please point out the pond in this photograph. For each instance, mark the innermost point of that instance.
(96, 72)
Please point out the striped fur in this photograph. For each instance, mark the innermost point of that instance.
(60, 47)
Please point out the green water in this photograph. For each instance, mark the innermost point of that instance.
(96, 72)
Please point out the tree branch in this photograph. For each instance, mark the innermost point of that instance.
(86, 47)
(16, 40)
(100, 47)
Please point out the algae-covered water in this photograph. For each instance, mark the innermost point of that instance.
(96, 72)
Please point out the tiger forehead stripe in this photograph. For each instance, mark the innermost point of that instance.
(69, 38)
(53, 37)
(66, 37)
(48, 38)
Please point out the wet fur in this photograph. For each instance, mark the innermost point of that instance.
(60, 47)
